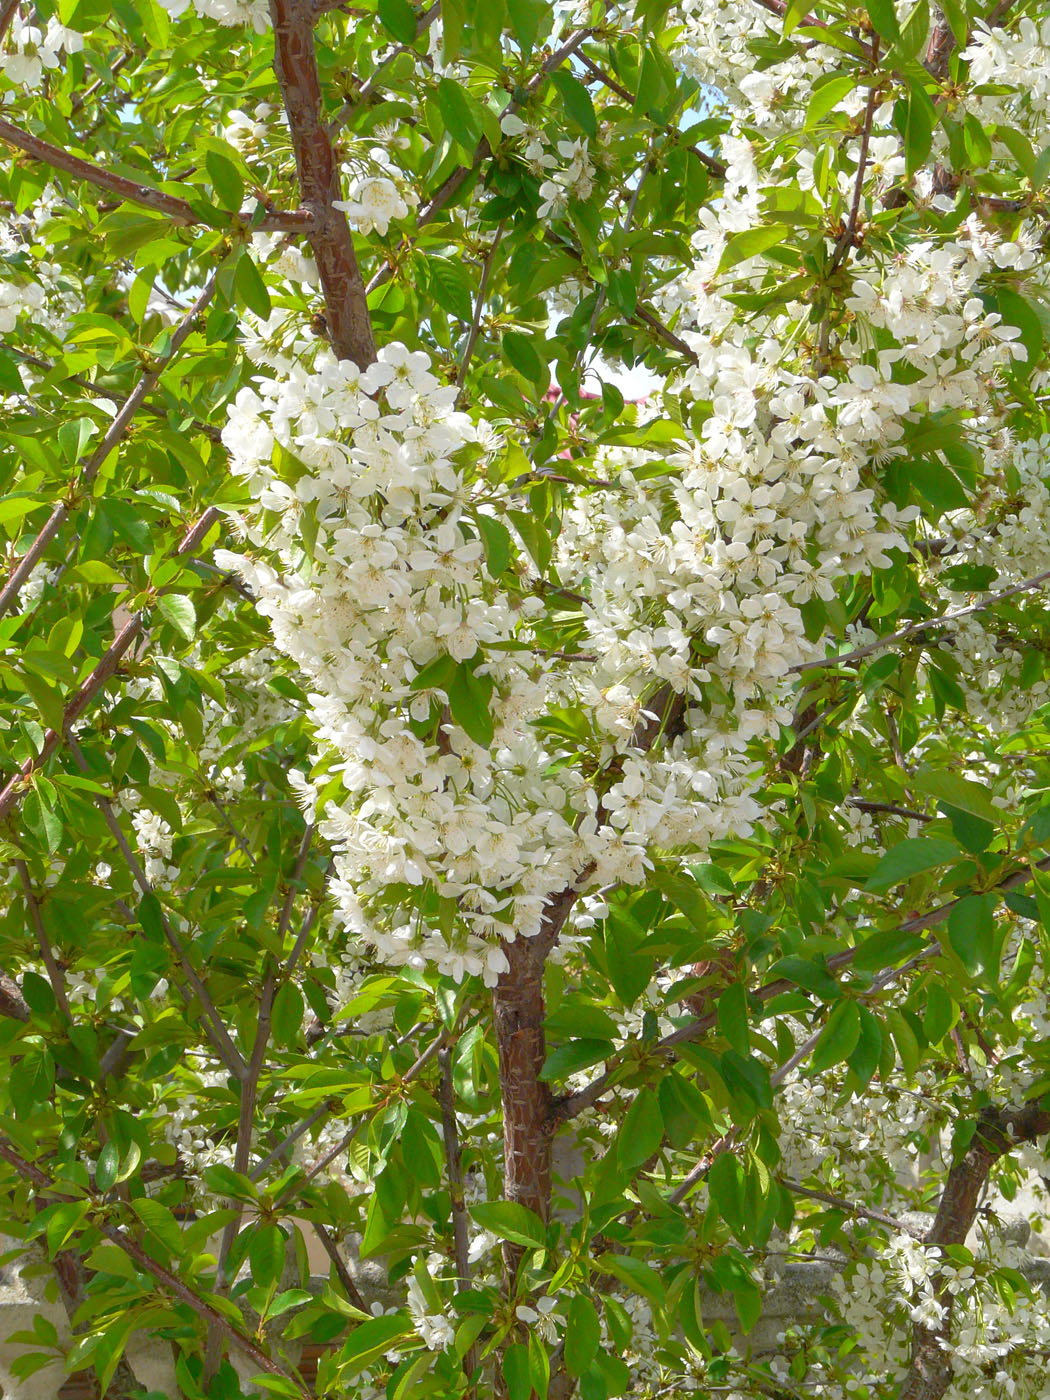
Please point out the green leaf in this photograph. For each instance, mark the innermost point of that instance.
(460, 113)
(914, 117)
(399, 17)
(288, 1010)
(251, 289)
(38, 993)
(883, 16)
(583, 1334)
(959, 792)
(750, 243)
(469, 697)
(914, 30)
(436, 675)
(812, 976)
(451, 287)
(577, 100)
(910, 857)
(838, 1039)
(516, 1372)
(107, 1166)
(1016, 311)
(523, 355)
(499, 548)
(66, 1217)
(30, 1082)
(971, 930)
(15, 506)
(177, 609)
(510, 1221)
(576, 1018)
(732, 1016)
(576, 1055)
(636, 1274)
(865, 1056)
(827, 96)
(226, 180)
(642, 1131)
(266, 1254)
(728, 1189)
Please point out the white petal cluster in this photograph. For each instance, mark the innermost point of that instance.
(28, 51)
(254, 14)
(373, 496)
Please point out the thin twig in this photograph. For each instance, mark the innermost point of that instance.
(368, 89)
(889, 808)
(54, 972)
(345, 1277)
(479, 306)
(571, 1104)
(458, 177)
(453, 1158)
(110, 440)
(96, 681)
(289, 1140)
(97, 390)
(914, 628)
(849, 1207)
(306, 927)
(213, 1022)
(715, 166)
(169, 1281)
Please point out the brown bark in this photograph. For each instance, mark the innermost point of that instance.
(998, 1130)
(518, 1010)
(295, 64)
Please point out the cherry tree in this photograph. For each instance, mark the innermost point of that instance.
(527, 695)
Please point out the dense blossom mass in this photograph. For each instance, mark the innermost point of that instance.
(524, 646)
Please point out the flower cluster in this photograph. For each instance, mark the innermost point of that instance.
(255, 14)
(28, 51)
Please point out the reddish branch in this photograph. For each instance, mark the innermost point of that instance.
(90, 469)
(178, 210)
(998, 1131)
(7, 14)
(90, 688)
(295, 64)
(529, 1117)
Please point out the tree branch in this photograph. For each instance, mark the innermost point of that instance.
(169, 1281)
(368, 89)
(479, 306)
(849, 1207)
(570, 1105)
(89, 689)
(295, 64)
(913, 628)
(54, 973)
(998, 1131)
(178, 210)
(453, 1156)
(99, 392)
(219, 1036)
(112, 437)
